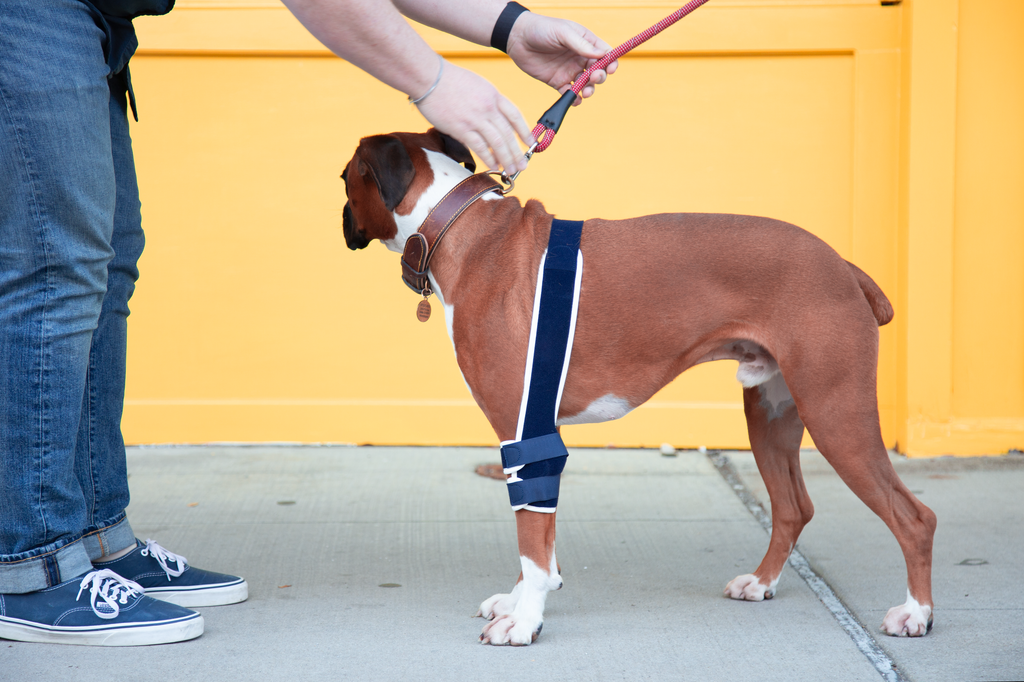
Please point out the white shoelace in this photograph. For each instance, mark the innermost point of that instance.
(109, 587)
(162, 556)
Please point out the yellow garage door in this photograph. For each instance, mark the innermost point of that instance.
(253, 322)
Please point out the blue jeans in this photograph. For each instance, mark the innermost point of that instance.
(70, 238)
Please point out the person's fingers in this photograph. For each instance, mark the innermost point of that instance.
(470, 109)
(515, 118)
(499, 135)
(499, 128)
(602, 47)
(478, 145)
(565, 88)
(581, 41)
(596, 78)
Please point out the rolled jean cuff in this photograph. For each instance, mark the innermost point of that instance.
(52, 565)
(110, 537)
(44, 569)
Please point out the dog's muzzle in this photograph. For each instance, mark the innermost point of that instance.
(354, 237)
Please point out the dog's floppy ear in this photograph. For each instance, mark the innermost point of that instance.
(389, 165)
(458, 151)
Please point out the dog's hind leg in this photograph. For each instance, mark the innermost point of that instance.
(775, 432)
(839, 406)
(863, 463)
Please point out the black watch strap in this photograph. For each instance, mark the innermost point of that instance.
(503, 27)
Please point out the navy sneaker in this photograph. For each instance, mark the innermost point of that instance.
(116, 613)
(166, 576)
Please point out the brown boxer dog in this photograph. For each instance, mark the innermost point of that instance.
(659, 294)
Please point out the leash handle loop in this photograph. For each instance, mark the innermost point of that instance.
(545, 130)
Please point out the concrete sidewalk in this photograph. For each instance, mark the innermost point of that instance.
(646, 544)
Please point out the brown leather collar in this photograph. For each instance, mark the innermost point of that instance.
(420, 247)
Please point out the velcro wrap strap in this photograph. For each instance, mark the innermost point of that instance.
(531, 451)
(536, 465)
(532, 490)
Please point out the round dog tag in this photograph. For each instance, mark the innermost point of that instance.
(423, 310)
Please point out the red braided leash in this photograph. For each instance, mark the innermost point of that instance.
(544, 135)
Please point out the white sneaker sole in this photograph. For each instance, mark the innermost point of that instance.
(128, 634)
(204, 595)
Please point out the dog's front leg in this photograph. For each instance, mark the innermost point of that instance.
(516, 618)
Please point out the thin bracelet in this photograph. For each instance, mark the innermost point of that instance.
(436, 81)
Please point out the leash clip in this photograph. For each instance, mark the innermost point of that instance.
(511, 181)
(507, 182)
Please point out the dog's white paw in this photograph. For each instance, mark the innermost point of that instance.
(518, 617)
(507, 626)
(499, 605)
(520, 630)
(748, 588)
(908, 620)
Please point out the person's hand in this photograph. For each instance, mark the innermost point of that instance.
(470, 109)
(555, 51)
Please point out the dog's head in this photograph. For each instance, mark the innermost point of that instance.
(386, 176)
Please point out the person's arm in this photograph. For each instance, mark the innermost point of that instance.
(554, 51)
(373, 35)
(471, 20)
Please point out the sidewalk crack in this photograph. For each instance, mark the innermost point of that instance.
(863, 639)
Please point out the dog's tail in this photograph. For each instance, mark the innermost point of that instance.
(880, 305)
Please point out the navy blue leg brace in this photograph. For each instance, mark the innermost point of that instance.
(537, 456)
